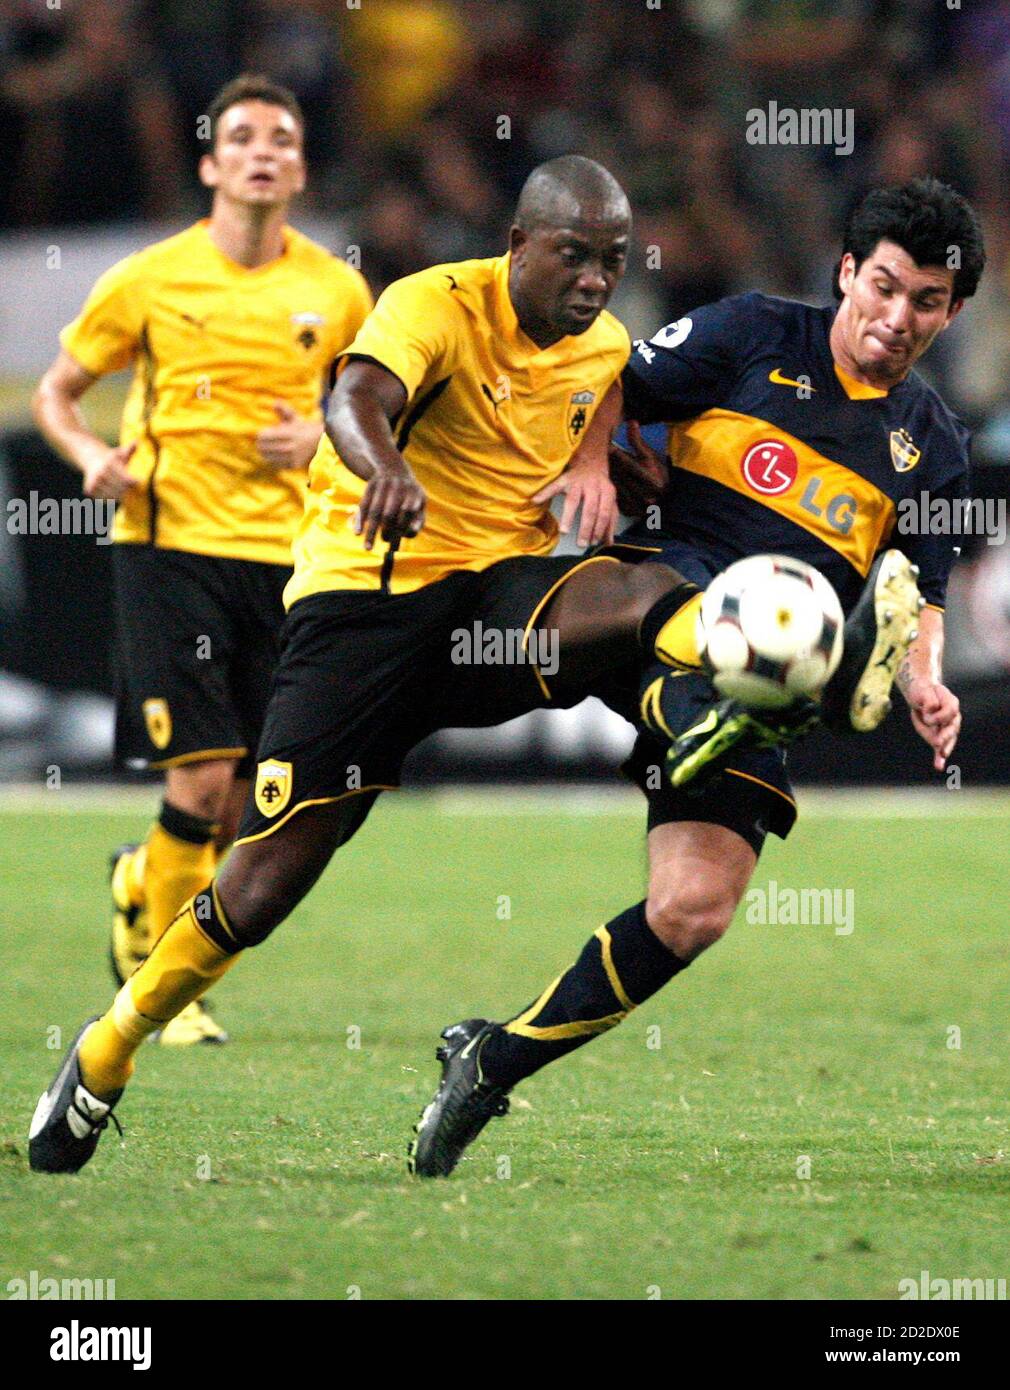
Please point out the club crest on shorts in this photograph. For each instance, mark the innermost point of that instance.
(273, 787)
(158, 719)
(578, 414)
(904, 454)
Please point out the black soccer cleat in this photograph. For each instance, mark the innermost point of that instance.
(463, 1103)
(878, 633)
(698, 754)
(68, 1120)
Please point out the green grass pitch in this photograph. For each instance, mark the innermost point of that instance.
(274, 1167)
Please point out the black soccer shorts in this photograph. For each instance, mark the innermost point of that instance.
(366, 676)
(198, 637)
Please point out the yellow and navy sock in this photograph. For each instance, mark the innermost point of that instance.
(197, 949)
(621, 966)
(669, 629)
(180, 859)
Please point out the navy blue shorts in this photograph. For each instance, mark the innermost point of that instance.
(753, 794)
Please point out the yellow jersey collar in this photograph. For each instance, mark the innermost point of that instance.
(234, 266)
(858, 390)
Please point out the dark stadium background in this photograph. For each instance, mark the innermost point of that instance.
(424, 118)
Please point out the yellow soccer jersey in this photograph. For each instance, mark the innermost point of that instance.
(490, 419)
(214, 346)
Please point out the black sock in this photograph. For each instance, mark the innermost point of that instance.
(621, 966)
(211, 920)
(195, 830)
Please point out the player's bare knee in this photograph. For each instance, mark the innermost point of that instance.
(633, 589)
(689, 918)
(201, 789)
(254, 904)
(649, 581)
(263, 880)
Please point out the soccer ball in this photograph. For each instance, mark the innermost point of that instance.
(770, 631)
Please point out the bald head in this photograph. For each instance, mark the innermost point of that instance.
(568, 245)
(569, 191)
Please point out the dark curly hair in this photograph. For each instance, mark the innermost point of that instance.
(926, 218)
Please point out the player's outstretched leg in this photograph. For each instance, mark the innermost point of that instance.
(622, 965)
(698, 874)
(261, 883)
(609, 611)
(878, 633)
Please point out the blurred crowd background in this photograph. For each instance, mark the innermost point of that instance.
(424, 117)
(100, 101)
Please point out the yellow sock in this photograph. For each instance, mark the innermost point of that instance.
(677, 640)
(177, 867)
(128, 877)
(183, 966)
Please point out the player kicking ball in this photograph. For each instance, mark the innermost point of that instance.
(792, 430)
(465, 394)
(459, 409)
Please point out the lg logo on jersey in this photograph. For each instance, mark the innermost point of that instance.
(770, 467)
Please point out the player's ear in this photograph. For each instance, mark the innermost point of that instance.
(208, 171)
(518, 239)
(846, 272)
(956, 305)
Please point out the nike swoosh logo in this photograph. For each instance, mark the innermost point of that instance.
(466, 1050)
(780, 380)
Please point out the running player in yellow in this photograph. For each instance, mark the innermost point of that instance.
(231, 327)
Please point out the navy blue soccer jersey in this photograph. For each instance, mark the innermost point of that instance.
(775, 448)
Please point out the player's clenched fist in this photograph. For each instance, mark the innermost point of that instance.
(107, 475)
(393, 503)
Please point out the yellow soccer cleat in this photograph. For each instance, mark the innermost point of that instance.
(193, 1025)
(130, 933)
(878, 633)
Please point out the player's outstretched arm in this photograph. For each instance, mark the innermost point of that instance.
(57, 411)
(365, 400)
(935, 710)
